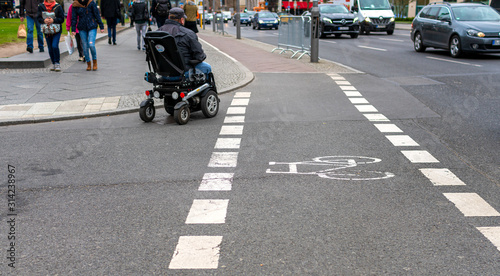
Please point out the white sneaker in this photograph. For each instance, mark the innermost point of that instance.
(57, 67)
(53, 67)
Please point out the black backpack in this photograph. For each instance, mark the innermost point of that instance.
(163, 7)
(138, 11)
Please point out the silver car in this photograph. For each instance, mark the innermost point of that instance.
(459, 28)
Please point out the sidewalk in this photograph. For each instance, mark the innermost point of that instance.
(118, 86)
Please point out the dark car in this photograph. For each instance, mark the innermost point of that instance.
(459, 28)
(337, 20)
(264, 19)
(244, 19)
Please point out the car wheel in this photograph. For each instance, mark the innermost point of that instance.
(418, 43)
(455, 47)
(354, 35)
(147, 113)
(181, 115)
(210, 104)
(390, 32)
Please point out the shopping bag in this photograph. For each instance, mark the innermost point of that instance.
(21, 32)
(70, 44)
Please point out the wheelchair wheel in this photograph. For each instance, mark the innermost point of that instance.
(181, 116)
(147, 113)
(168, 106)
(210, 104)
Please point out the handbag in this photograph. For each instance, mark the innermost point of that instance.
(21, 32)
(50, 29)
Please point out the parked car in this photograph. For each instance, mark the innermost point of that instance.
(459, 28)
(208, 18)
(244, 19)
(337, 20)
(264, 19)
(226, 15)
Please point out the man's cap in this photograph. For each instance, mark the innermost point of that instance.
(176, 13)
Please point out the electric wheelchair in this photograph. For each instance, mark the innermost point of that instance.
(183, 90)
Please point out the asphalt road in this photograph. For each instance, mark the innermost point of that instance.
(111, 196)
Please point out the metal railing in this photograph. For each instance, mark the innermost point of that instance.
(294, 35)
(219, 22)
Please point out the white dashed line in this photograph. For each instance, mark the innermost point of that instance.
(234, 119)
(216, 182)
(366, 108)
(419, 156)
(347, 87)
(372, 48)
(471, 205)
(442, 177)
(454, 61)
(358, 100)
(491, 233)
(342, 82)
(352, 94)
(228, 143)
(208, 211)
(242, 94)
(236, 110)
(388, 128)
(231, 130)
(223, 160)
(240, 102)
(196, 252)
(376, 118)
(402, 141)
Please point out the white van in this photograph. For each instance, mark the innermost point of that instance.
(374, 16)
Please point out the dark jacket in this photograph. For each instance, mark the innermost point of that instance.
(139, 12)
(186, 40)
(88, 17)
(153, 7)
(58, 11)
(31, 7)
(110, 8)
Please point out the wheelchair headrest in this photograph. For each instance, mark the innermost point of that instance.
(163, 54)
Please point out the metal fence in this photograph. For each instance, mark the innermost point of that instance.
(294, 35)
(219, 23)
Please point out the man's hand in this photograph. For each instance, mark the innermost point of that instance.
(22, 18)
(102, 31)
(73, 33)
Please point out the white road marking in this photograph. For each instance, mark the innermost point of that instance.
(419, 156)
(234, 119)
(231, 130)
(228, 143)
(491, 233)
(358, 100)
(442, 177)
(223, 160)
(336, 77)
(388, 128)
(240, 102)
(471, 205)
(196, 252)
(372, 48)
(392, 39)
(216, 182)
(342, 82)
(352, 94)
(376, 117)
(236, 110)
(347, 87)
(208, 211)
(402, 141)
(326, 41)
(242, 94)
(366, 108)
(454, 61)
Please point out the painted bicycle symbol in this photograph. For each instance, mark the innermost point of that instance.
(332, 167)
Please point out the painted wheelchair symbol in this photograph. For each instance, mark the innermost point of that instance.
(336, 167)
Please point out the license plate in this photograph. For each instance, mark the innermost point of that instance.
(496, 42)
(343, 28)
(380, 26)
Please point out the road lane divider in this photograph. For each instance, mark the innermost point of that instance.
(372, 48)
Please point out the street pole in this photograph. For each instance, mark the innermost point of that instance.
(314, 31)
(238, 21)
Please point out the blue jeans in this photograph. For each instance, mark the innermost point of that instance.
(111, 22)
(53, 45)
(29, 38)
(88, 42)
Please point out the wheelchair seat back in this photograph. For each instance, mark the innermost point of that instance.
(163, 55)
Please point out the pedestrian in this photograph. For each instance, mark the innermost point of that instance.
(86, 18)
(110, 10)
(129, 13)
(29, 9)
(191, 11)
(159, 10)
(186, 41)
(77, 35)
(141, 17)
(52, 14)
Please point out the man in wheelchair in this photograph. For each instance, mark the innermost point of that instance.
(187, 41)
(178, 72)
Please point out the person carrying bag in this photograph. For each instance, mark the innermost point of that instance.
(51, 16)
